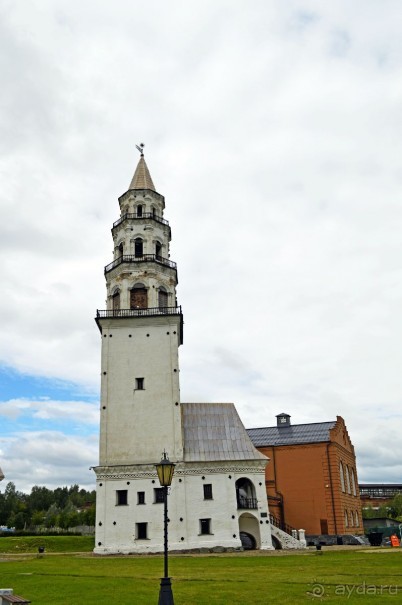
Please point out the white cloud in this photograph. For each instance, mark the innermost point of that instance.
(48, 458)
(47, 409)
(273, 130)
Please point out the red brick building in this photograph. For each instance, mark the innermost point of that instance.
(311, 479)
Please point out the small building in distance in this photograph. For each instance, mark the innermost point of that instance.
(311, 480)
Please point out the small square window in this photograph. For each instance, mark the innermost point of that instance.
(140, 497)
(207, 491)
(159, 493)
(139, 384)
(205, 526)
(121, 497)
(141, 531)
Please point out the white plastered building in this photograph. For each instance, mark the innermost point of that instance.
(218, 497)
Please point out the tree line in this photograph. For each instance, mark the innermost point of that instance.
(391, 510)
(63, 507)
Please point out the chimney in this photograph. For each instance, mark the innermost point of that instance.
(282, 420)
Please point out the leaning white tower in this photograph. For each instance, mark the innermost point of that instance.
(218, 490)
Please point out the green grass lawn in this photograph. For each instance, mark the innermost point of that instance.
(350, 576)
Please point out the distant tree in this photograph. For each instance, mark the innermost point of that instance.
(61, 496)
(64, 506)
(395, 507)
(40, 498)
(38, 518)
(20, 520)
(52, 516)
(89, 516)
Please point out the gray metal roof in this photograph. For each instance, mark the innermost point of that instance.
(291, 435)
(214, 431)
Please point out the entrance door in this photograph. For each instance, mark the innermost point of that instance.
(138, 298)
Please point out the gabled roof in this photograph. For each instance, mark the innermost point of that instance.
(142, 178)
(214, 431)
(294, 434)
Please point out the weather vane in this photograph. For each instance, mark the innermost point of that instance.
(140, 148)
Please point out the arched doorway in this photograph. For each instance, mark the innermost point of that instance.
(249, 531)
(247, 541)
(245, 494)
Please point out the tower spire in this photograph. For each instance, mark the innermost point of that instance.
(142, 178)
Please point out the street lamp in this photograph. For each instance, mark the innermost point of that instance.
(165, 470)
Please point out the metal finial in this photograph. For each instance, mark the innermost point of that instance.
(140, 148)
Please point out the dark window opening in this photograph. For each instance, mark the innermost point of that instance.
(139, 210)
(205, 526)
(121, 497)
(140, 497)
(159, 493)
(116, 301)
(138, 247)
(139, 298)
(162, 298)
(141, 531)
(207, 491)
(158, 249)
(139, 384)
(120, 248)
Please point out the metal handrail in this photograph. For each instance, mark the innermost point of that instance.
(128, 215)
(288, 529)
(131, 258)
(107, 313)
(247, 502)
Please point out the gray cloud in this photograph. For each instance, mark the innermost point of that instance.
(274, 133)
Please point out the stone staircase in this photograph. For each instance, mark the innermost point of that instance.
(287, 537)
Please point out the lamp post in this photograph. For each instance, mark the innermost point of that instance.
(165, 470)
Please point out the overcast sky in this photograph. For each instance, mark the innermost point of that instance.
(274, 131)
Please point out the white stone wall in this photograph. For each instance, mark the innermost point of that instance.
(116, 525)
(137, 425)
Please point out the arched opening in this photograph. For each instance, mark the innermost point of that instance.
(120, 249)
(138, 247)
(140, 209)
(249, 531)
(116, 300)
(347, 479)
(245, 494)
(162, 298)
(352, 476)
(158, 249)
(247, 541)
(139, 297)
(341, 476)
